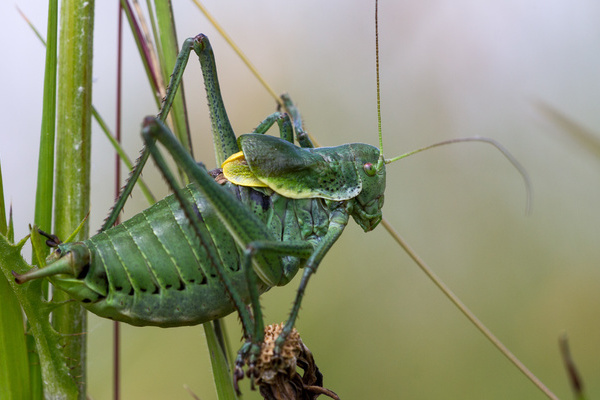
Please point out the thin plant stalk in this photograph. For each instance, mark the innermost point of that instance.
(116, 325)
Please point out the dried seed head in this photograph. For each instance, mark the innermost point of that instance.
(267, 365)
(277, 376)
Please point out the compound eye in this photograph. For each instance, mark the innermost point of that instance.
(369, 169)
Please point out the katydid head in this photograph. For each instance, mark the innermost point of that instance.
(366, 207)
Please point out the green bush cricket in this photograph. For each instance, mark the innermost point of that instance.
(112, 277)
(248, 325)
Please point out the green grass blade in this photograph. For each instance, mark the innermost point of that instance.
(45, 180)
(122, 155)
(14, 366)
(144, 51)
(587, 139)
(221, 373)
(168, 49)
(220, 330)
(3, 222)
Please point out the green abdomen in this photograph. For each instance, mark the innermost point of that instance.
(154, 270)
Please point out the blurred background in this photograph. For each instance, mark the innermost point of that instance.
(378, 328)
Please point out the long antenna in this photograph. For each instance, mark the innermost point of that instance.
(423, 266)
(381, 160)
(512, 159)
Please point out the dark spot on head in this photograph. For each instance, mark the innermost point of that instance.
(169, 286)
(86, 301)
(118, 288)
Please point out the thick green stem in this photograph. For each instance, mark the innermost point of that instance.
(73, 160)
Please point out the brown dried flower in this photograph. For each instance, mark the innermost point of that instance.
(277, 376)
